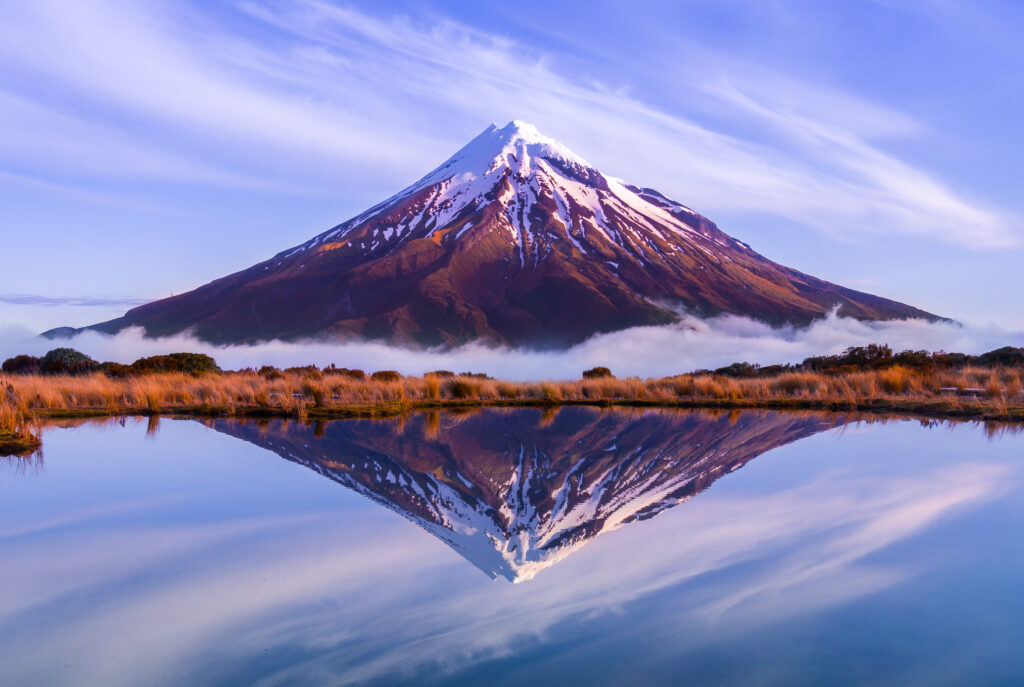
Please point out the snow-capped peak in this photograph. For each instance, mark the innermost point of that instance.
(518, 134)
(513, 145)
(548, 197)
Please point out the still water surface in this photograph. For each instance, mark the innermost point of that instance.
(515, 547)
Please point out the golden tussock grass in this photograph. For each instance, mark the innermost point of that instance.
(18, 426)
(996, 393)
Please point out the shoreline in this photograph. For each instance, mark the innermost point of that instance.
(970, 393)
(926, 408)
(19, 443)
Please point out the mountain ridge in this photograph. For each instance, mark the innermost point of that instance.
(514, 240)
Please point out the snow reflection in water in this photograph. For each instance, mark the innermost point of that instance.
(180, 554)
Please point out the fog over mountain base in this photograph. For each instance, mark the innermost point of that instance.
(641, 351)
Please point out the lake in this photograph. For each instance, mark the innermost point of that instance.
(510, 547)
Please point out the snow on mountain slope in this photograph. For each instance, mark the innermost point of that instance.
(523, 172)
(515, 239)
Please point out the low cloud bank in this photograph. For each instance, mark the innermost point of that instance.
(641, 351)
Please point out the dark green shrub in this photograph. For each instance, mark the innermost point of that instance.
(116, 370)
(67, 361)
(872, 356)
(21, 365)
(344, 372)
(954, 360)
(772, 370)
(443, 374)
(1007, 355)
(738, 370)
(270, 372)
(915, 360)
(597, 373)
(188, 363)
(475, 375)
(305, 371)
(386, 376)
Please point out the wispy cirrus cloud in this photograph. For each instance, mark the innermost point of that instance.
(33, 299)
(308, 94)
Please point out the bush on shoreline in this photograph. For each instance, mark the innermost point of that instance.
(865, 377)
(879, 357)
(187, 363)
(597, 373)
(21, 365)
(344, 372)
(67, 361)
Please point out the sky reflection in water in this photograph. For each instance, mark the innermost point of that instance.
(506, 546)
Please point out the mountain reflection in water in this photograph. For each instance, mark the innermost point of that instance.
(160, 552)
(515, 491)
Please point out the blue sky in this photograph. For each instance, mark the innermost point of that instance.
(150, 147)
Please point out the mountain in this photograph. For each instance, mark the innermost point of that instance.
(515, 239)
(515, 491)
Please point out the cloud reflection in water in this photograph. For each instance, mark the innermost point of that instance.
(200, 589)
